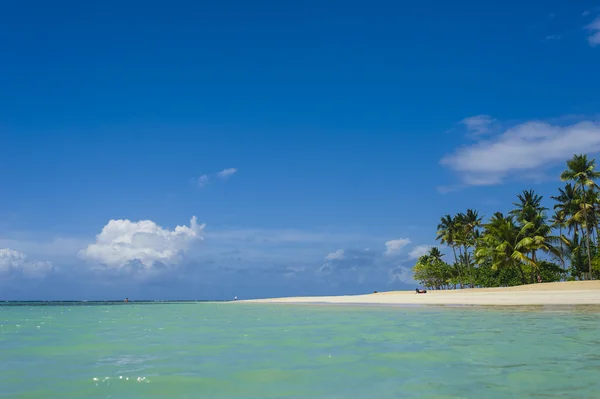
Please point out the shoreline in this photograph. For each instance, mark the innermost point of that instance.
(553, 294)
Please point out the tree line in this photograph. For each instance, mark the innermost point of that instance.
(530, 244)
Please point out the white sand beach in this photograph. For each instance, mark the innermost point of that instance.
(563, 293)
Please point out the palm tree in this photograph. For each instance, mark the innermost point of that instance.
(529, 205)
(500, 244)
(471, 221)
(581, 171)
(537, 237)
(446, 234)
(568, 205)
(558, 220)
(531, 217)
(573, 250)
(435, 254)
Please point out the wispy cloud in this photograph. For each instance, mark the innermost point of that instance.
(394, 247)
(278, 236)
(452, 188)
(226, 173)
(479, 125)
(520, 150)
(202, 181)
(553, 37)
(594, 31)
(585, 13)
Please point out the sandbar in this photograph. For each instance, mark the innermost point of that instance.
(555, 294)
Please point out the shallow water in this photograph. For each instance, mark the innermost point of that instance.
(284, 351)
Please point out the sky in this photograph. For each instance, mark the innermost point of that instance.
(206, 150)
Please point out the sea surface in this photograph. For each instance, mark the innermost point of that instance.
(252, 351)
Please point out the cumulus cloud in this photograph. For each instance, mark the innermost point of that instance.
(339, 254)
(15, 261)
(594, 31)
(520, 150)
(123, 242)
(394, 247)
(419, 251)
(478, 124)
(226, 173)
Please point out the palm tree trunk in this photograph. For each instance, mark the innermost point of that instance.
(576, 242)
(532, 270)
(587, 236)
(468, 267)
(562, 251)
(462, 257)
(536, 267)
(457, 267)
(589, 254)
(523, 279)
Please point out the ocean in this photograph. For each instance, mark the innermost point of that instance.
(259, 351)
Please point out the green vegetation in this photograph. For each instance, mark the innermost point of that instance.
(526, 245)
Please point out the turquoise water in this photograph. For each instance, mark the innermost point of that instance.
(247, 351)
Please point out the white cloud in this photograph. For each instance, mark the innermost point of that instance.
(478, 124)
(339, 254)
(522, 149)
(419, 251)
(395, 246)
(122, 242)
(594, 29)
(11, 260)
(202, 181)
(226, 173)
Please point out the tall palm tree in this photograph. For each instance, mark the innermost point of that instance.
(467, 225)
(582, 172)
(447, 234)
(568, 205)
(558, 220)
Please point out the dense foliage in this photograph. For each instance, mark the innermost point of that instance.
(527, 245)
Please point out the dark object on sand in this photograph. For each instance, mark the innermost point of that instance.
(418, 291)
(374, 292)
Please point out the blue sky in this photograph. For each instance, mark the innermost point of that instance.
(303, 137)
